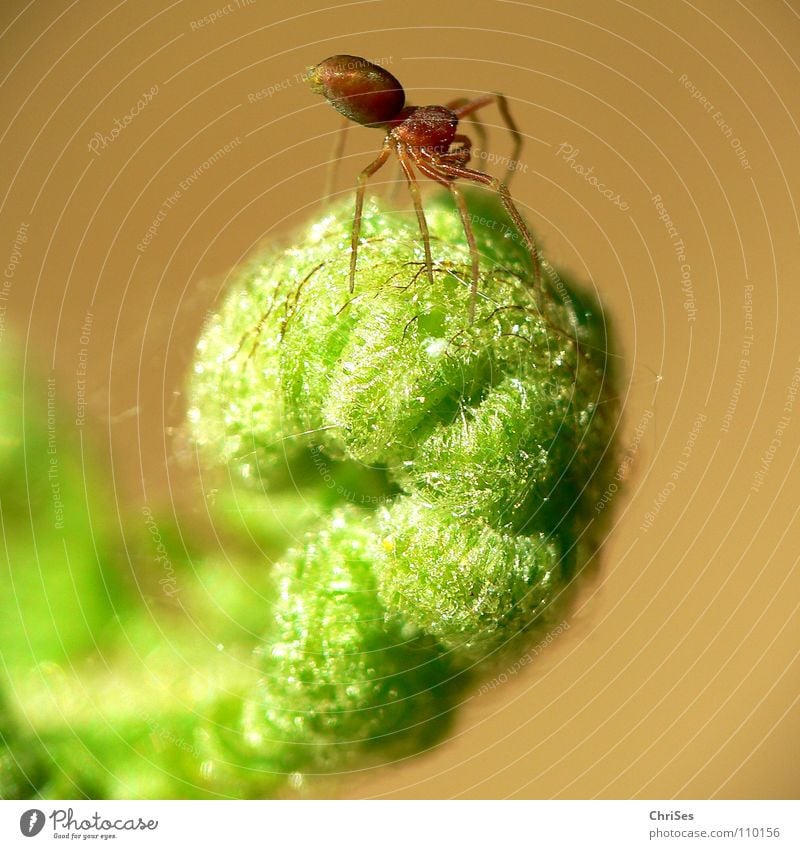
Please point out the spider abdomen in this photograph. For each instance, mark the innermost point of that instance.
(361, 91)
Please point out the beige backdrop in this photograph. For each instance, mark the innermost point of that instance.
(679, 675)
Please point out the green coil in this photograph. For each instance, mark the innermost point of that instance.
(474, 452)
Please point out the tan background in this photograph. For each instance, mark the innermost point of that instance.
(679, 675)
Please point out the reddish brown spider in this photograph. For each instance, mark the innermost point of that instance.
(421, 136)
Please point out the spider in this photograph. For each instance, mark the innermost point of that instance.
(422, 137)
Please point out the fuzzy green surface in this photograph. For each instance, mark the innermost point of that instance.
(338, 685)
(472, 587)
(340, 681)
(390, 375)
(491, 435)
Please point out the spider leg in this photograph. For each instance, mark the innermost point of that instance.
(397, 183)
(429, 171)
(480, 127)
(473, 248)
(336, 157)
(413, 186)
(467, 108)
(456, 171)
(362, 186)
(462, 155)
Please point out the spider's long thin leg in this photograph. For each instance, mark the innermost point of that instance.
(466, 109)
(480, 127)
(362, 186)
(459, 158)
(429, 170)
(336, 157)
(413, 187)
(505, 196)
(516, 135)
(397, 183)
(462, 155)
(473, 248)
